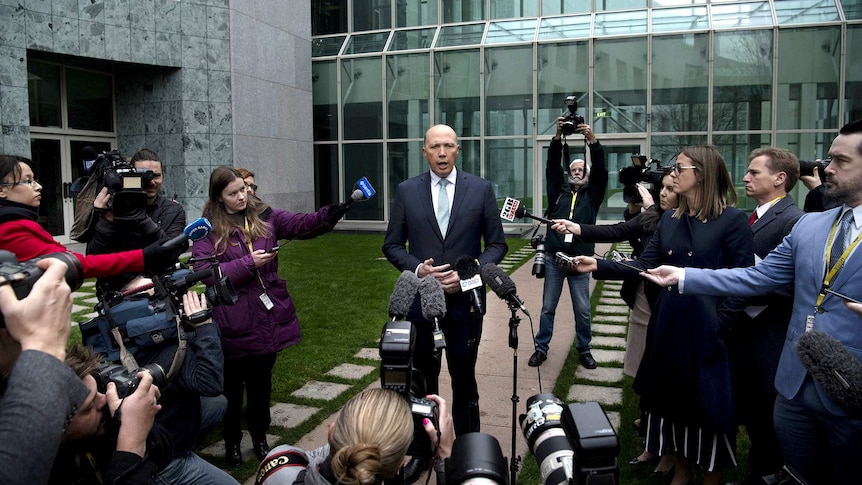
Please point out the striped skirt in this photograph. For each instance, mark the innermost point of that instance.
(710, 451)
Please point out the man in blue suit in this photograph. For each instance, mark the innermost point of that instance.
(436, 218)
(818, 438)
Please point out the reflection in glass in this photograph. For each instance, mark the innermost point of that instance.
(734, 150)
(470, 156)
(324, 94)
(511, 31)
(405, 161)
(404, 40)
(740, 15)
(680, 83)
(509, 168)
(363, 160)
(506, 9)
(565, 27)
(853, 72)
(326, 175)
(805, 11)
(456, 89)
(463, 10)
(458, 35)
(90, 100)
(412, 13)
(558, 7)
(371, 14)
(563, 70)
(328, 17)
(508, 91)
(742, 80)
(608, 5)
(408, 89)
(806, 146)
(808, 98)
(620, 80)
(43, 88)
(362, 97)
(675, 3)
(852, 9)
(667, 147)
(46, 165)
(620, 23)
(366, 43)
(675, 19)
(326, 46)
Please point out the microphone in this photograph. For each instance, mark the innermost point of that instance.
(833, 367)
(363, 192)
(403, 295)
(433, 303)
(512, 209)
(468, 270)
(522, 213)
(195, 231)
(502, 285)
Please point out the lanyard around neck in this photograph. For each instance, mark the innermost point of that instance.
(835, 269)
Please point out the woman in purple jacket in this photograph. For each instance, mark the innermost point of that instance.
(263, 321)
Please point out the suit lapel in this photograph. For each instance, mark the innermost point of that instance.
(428, 203)
(460, 193)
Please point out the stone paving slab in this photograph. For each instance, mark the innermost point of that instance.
(600, 374)
(614, 418)
(608, 328)
(618, 319)
(616, 342)
(289, 415)
(89, 284)
(366, 353)
(612, 309)
(603, 356)
(600, 394)
(611, 300)
(92, 300)
(81, 294)
(320, 390)
(351, 371)
(79, 308)
(217, 449)
(612, 284)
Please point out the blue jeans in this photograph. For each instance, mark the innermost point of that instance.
(190, 469)
(579, 287)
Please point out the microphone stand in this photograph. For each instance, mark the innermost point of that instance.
(514, 320)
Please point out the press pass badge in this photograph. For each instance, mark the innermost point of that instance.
(569, 238)
(264, 298)
(809, 323)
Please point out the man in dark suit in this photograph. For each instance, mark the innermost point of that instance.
(426, 236)
(818, 438)
(755, 342)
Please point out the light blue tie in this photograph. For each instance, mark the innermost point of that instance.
(443, 207)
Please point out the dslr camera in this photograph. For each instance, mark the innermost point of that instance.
(538, 243)
(22, 276)
(807, 168)
(573, 119)
(642, 170)
(476, 456)
(126, 382)
(126, 185)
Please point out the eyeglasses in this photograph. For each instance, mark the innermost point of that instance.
(680, 168)
(253, 187)
(21, 182)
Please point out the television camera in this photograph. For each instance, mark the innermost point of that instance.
(125, 183)
(22, 276)
(641, 171)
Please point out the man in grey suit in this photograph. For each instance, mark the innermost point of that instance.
(755, 342)
(426, 236)
(818, 438)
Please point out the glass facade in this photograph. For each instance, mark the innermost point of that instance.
(649, 75)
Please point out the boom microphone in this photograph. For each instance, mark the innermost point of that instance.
(522, 213)
(502, 285)
(833, 367)
(468, 270)
(195, 231)
(403, 295)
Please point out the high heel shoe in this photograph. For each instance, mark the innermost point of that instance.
(659, 471)
(638, 462)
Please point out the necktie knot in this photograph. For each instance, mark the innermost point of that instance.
(752, 218)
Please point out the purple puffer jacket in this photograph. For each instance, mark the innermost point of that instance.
(248, 328)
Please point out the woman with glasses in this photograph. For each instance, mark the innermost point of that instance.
(21, 234)
(684, 377)
(248, 177)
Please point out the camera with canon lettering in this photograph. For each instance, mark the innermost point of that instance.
(538, 243)
(642, 170)
(22, 276)
(125, 381)
(573, 119)
(125, 183)
(807, 168)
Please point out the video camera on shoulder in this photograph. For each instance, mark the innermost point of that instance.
(125, 381)
(126, 185)
(22, 276)
(573, 119)
(648, 172)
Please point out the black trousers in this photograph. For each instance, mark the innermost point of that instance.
(252, 377)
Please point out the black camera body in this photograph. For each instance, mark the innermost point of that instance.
(126, 185)
(126, 382)
(641, 171)
(538, 243)
(807, 168)
(22, 276)
(573, 119)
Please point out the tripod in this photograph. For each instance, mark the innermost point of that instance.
(514, 320)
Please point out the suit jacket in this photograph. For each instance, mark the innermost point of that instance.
(799, 259)
(413, 235)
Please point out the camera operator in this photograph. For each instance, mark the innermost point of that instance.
(21, 234)
(164, 218)
(111, 440)
(817, 200)
(367, 444)
(40, 394)
(574, 194)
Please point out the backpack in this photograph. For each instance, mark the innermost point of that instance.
(85, 213)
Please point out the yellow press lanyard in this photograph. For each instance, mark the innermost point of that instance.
(251, 251)
(572, 208)
(834, 270)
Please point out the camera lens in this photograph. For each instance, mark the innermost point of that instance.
(547, 439)
(476, 455)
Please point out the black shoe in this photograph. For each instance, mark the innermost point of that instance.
(588, 361)
(261, 449)
(232, 455)
(537, 358)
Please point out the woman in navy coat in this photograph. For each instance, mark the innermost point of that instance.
(684, 377)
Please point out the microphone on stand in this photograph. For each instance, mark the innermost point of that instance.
(468, 270)
(502, 285)
(433, 303)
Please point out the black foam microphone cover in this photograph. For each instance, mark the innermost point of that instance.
(403, 294)
(497, 280)
(467, 268)
(432, 298)
(833, 367)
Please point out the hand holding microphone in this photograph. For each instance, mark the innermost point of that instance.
(364, 191)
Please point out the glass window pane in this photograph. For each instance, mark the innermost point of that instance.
(805, 11)
(673, 3)
(457, 35)
(734, 150)
(408, 89)
(509, 168)
(363, 160)
(853, 73)
(808, 98)
(620, 23)
(506, 9)
(326, 46)
(46, 165)
(326, 175)
(361, 81)
(621, 85)
(366, 43)
(667, 147)
(463, 10)
(470, 156)
(512, 31)
(509, 91)
(620, 4)
(372, 14)
(680, 75)
(456, 81)
(403, 40)
(563, 70)
(557, 7)
(324, 93)
(328, 17)
(405, 161)
(676, 19)
(90, 99)
(412, 13)
(565, 28)
(852, 9)
(806, 146)
(43, 87)
(740, 15)
(742, 81)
